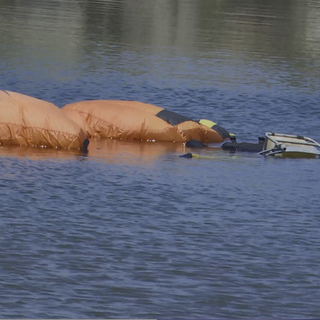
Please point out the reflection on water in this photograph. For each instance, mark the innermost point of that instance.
(59, 35)
(107, 150)
(37, 154)
(131, 152)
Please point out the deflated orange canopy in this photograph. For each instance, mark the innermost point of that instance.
(32, 122)
(134, 120)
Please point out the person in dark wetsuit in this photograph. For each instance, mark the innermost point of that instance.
(244, 146)
(231, 146)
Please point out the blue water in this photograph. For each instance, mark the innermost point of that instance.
(132, 230)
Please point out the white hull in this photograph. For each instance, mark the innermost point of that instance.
(290, 146)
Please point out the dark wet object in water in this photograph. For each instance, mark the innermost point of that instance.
(186, 155)
(243, 146)
(232, 146)
(195, 144)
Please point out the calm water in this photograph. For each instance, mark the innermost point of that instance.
(131, 230)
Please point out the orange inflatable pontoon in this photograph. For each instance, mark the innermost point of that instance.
(29, 121)
(132, 120)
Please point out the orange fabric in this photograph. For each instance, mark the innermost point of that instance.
(193, 130)
(133, 120)
(32, 122)
(121, 120)
(211, 136)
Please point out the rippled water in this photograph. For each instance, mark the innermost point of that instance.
(131, 230)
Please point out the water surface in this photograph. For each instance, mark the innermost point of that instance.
(131, 230)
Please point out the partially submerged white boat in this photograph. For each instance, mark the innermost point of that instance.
(290, 146)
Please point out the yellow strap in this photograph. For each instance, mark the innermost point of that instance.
(210, 124)
(207, 123)
(194, 155)
(198, 156)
